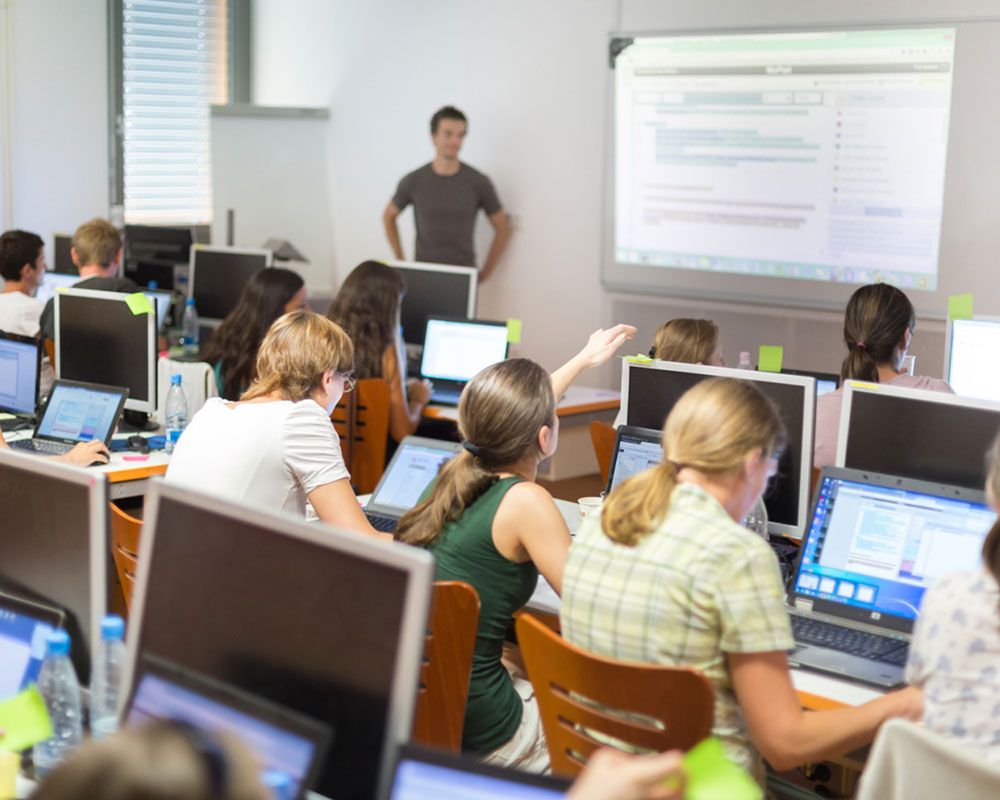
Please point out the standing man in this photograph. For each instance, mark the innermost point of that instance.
(446, 196)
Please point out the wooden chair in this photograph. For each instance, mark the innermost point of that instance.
(362, 422)
(49, 346)
(602, 436)
(444, 674)
(677, 703)
(125, 531)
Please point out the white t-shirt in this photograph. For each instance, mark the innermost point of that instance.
(269, 453)
(19, 313)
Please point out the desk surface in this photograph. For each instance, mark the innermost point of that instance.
(577, 400)
(123, 467)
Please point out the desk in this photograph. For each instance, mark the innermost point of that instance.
(576, 409)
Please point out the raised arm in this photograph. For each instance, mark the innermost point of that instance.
(391, 231)
(601, 345)
(501, 235)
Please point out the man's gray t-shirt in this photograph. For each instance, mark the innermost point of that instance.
(445, 208)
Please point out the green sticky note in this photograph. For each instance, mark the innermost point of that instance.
(514, 331)
(138, 303)
(639, 359)
(960, 306)
(712, 776)
(25, 719)
(769, 358)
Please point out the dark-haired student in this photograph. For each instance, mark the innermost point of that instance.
(878, 329)
(232, 349)
(22, 267)
(488, 523)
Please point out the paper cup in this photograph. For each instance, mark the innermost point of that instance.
(589, 506)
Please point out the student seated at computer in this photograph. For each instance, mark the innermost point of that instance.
(22, 266)
(955, 650)
(83, 454)
(97, 252)
(276, 446)
(878, 330)
(667, 575)
(487, 522)
(232, 349)
(367, 307)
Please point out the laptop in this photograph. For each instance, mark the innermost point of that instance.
(53, 282)
(636, 449)
(874, 545)
(456, 350)
(20, 370)
(282, 741)
(24, 626)
(75, 412)
(421, 774)
(825, 381)
(414, 465)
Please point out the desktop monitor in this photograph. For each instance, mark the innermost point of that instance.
(928, 436)
(54, 548)
(20, 368)
(649, 391)
(826, 382)
(217, 276)
(24, 626)
(100, 340)
(62, 257)
(457, 350)
(325, 622)
(972, 351)
(434, 290)
(152, 252)
(52, 282)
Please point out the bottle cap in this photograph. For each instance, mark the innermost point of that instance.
(175, 379)
(113, 628)
(190, 301)
(744, 355)
(279, 783)
(153, 285)
(57, 644)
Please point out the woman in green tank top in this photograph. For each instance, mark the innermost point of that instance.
(488, 523)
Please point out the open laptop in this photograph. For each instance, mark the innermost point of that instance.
(24, 626)
(414, 465)
(20, 368)
(282, 741)
(874, 545)
(455, 350)
(636, 449)
(75, 412)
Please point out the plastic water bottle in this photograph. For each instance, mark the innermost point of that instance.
(744, 360)
(189, 329)
(106, 677)
(756, 519)
(278, 784)
(59, 686)
(176, 412)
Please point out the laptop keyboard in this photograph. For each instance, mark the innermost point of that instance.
(41, 446)
(846, 640)
(16, 424)
(384, 524)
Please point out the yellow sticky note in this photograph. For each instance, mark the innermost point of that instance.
(712, 776)
(769, 358)
(25, 719)
(960, 306)
(138, 303)
(10, 765)
(514, 331)
(639, 359)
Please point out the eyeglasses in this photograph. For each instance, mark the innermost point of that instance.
(349, 381)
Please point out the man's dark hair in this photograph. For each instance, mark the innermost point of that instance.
(447, 112)
(18, 248)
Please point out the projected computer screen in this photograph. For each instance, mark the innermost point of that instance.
(814, 155)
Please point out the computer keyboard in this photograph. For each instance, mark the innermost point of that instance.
(385, 524)
(41, 446)
(856, 643)
(16, 424)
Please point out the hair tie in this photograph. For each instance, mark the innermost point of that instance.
(677, 467)
(473, 449)
(861, 345)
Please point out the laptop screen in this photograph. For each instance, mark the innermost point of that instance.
(422, 780)
(412, 469)
(825, 386)
(879, 548)
(18, 375)
(52, 282)
(456, 350)
(79, 413)
(22, 647)
(636, 449)
(975, 344)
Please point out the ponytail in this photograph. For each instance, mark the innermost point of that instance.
(639, 504)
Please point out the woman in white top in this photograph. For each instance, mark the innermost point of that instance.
(878, 329)
(276, 447)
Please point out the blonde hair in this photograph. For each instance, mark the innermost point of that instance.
(298, 349)
(711, 429)
(689, 341)
(97, 242)
(500, 413)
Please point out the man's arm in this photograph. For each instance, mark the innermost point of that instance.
(501, 235)
(391, 231)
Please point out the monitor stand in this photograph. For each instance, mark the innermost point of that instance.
(137, 421)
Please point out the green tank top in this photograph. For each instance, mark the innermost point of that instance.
(465, 552)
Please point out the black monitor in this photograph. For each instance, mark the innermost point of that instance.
(929, 436)
(649, 392)
(20, 373)
(54, 543)
(153, 251)
(325, 622)
(62, 258)
(217, 276)
(434, 290)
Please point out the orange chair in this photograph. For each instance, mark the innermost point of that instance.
(602, 436)
(362, 422)
(444, 674)
(50, 350)
(125, 531)
(579, 692)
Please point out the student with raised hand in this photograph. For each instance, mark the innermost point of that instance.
(367, 307)
(232, 349)
(276, 446)
(878, 329)
(667, 575)
(22, 267)
(955, 650)
(82, 454)
(488, 523)
(689, 341)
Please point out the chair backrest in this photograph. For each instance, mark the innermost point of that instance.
(197, 381)
(909, 762)
(362, 422)
(579, 693)
(125, 531)
(444, 674)
(602, 436)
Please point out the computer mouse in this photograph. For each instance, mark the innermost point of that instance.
(138, 444)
